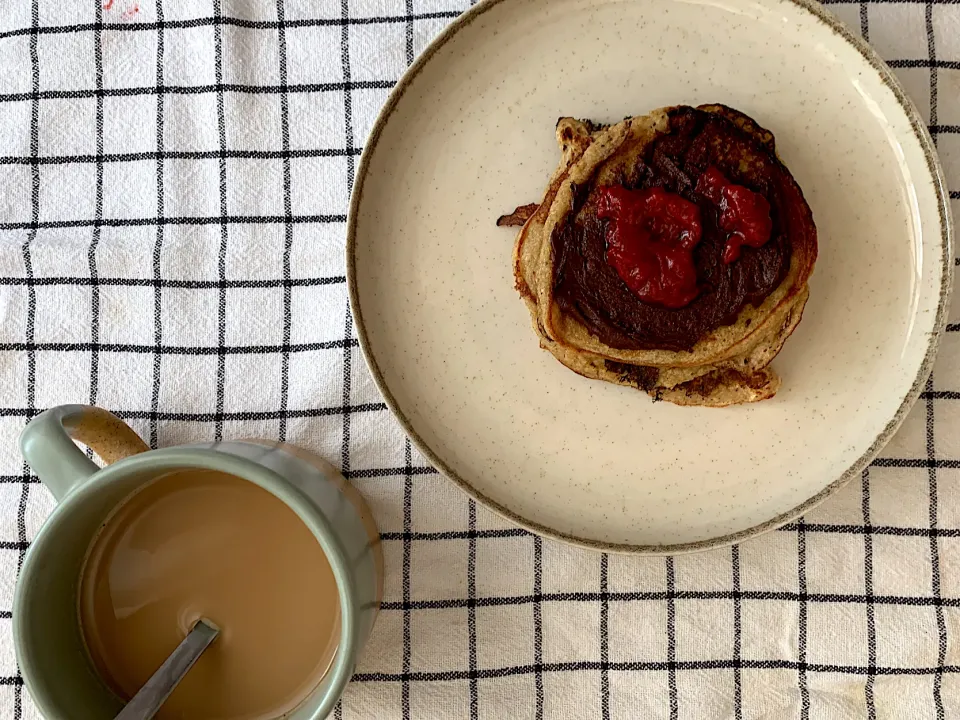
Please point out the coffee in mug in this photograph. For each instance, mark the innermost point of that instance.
(202, 543)
(265, 540)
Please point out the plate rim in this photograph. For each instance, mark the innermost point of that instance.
(920, 132)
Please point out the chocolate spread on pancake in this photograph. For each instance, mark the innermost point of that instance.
(588, 287)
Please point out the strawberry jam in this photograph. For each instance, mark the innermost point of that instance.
(650, 237)
(744, 214)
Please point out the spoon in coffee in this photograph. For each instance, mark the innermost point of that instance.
(150, 697)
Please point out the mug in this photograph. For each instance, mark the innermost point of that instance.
(53, 660)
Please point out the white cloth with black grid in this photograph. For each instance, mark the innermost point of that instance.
(172, 205)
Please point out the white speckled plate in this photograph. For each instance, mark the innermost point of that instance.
(468, 135)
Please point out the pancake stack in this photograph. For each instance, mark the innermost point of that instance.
(716, 349)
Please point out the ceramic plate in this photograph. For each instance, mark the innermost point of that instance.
(468, 134)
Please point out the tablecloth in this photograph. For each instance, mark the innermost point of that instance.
(174, 183)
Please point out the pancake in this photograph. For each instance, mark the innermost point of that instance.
(713, 349)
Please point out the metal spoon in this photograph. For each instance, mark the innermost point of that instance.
(150, 697)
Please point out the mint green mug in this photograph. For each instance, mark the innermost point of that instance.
(49, 645)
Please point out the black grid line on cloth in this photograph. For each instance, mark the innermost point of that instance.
(868, 688)
(175, 220)
(604, 639)
(287, 226)
(932, 57)
(930, 436)
(538, 624)
(390, 472)
(235, 22)
(28, 269)
(915, 462)
(158, 246)
(650, 666)
(202, 90)
(31, 317)
(627, 667)
(348, 141)
(802, 665)
(146, 156)
(98, 212)
(930, 63)
(737, 633)
(878, 530)
(210, 417)
(672, 664)
(177, 349)
(405, 574)
(224, 230)
(472, 611)
(408, 30)
(935, 557)
(940, 395)
(177, 284)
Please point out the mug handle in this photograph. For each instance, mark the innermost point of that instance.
(47, 444)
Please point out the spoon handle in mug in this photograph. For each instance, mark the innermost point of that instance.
(150, 697)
